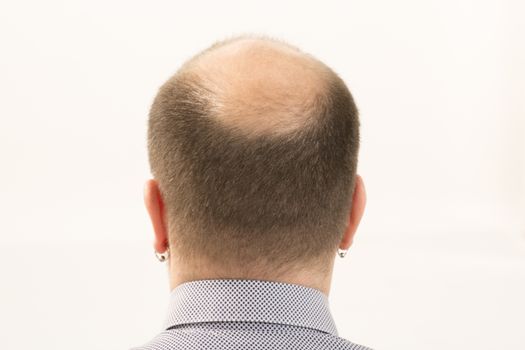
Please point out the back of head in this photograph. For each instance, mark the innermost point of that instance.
(254, 145)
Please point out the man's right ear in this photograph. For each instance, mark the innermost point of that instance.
(155, 206)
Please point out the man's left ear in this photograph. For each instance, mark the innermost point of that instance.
(155, 206)
(356, 213)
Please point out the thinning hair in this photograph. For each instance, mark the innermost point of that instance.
(260, 177)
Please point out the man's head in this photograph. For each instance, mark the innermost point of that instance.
(253, 148)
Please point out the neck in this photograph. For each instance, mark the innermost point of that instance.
(181, 273)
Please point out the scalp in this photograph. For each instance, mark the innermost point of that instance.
(259, 85)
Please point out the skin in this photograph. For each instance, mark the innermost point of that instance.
(251, 76)
(261, 86)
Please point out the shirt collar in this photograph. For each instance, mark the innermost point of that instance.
(222, 300)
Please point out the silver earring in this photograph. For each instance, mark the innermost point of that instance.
(162, 256)
(342, 252)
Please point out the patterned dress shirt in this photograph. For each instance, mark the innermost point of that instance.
(248, 314)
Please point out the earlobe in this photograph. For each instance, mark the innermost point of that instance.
(155, 207)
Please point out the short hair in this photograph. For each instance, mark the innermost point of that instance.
(267, 199)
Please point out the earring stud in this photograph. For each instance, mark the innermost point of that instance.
(342, 252)
(162, 256)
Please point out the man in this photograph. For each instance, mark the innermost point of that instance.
(253, 148)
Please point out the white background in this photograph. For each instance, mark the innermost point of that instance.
(439, 261)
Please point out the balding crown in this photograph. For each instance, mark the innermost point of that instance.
(259, 85)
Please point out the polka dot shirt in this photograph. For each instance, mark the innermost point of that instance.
(248, 314)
